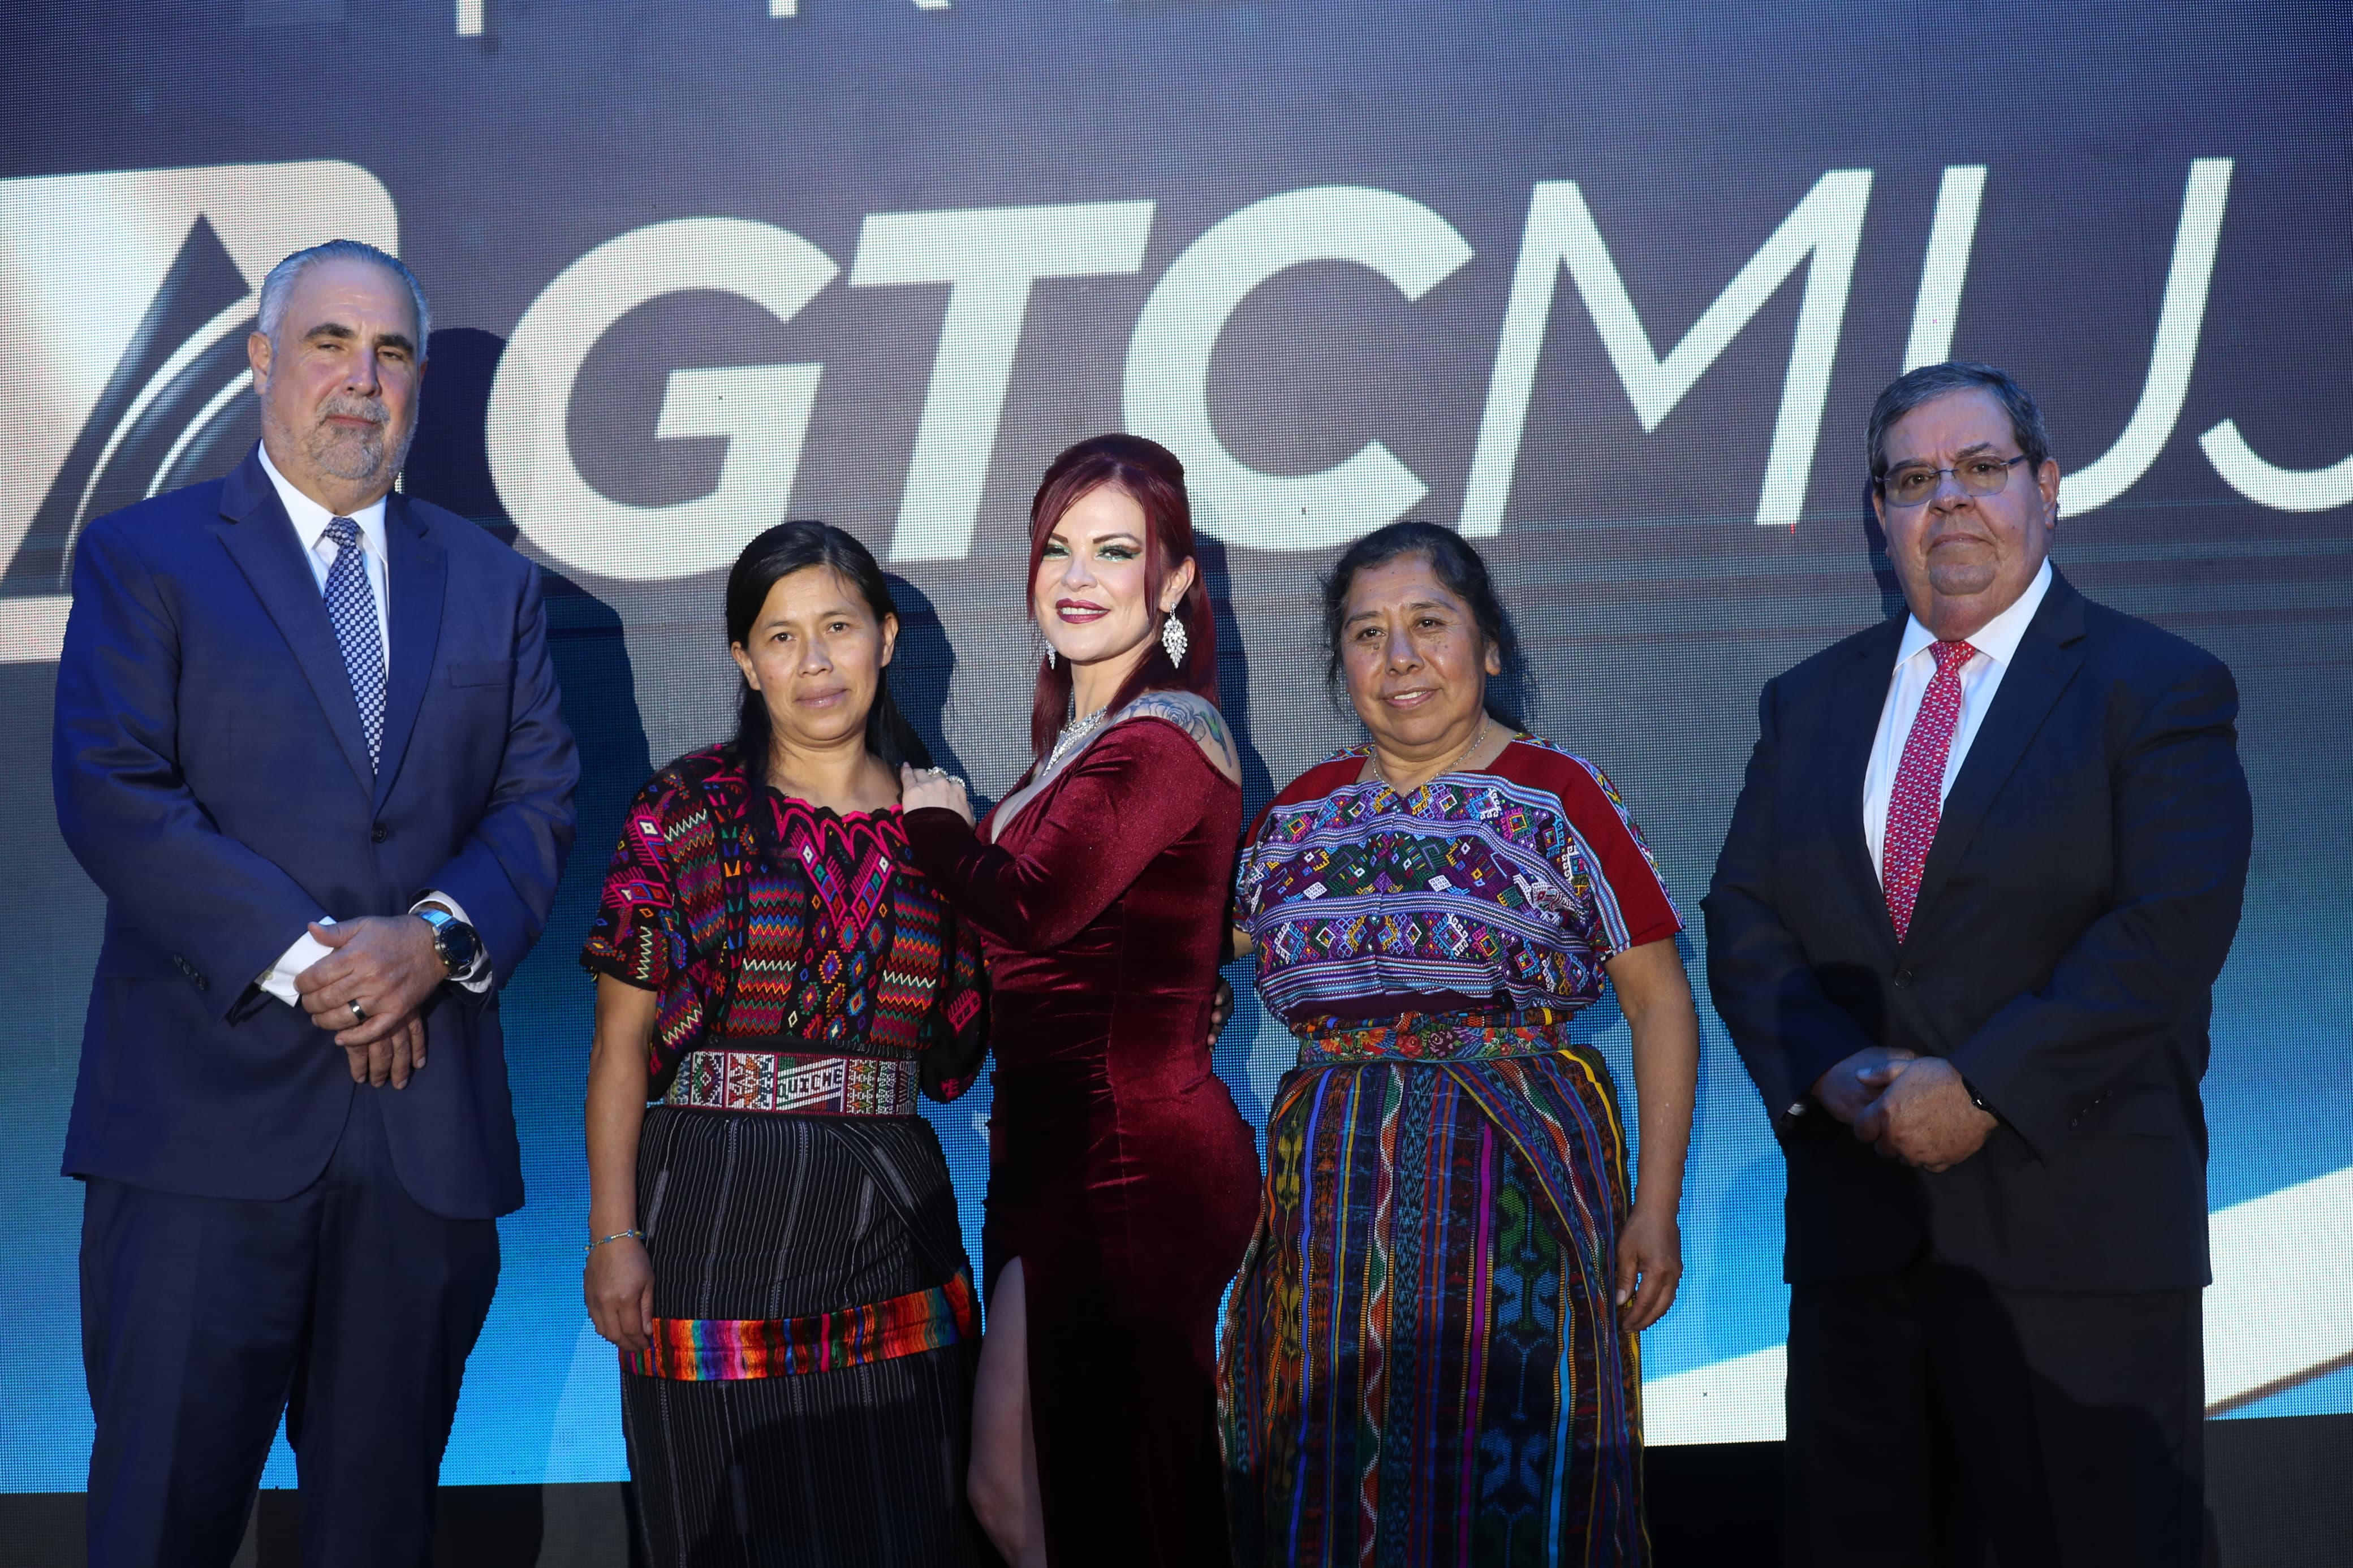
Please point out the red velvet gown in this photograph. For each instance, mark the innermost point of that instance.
(1120, 1173)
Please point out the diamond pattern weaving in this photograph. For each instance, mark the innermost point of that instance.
(351, 606)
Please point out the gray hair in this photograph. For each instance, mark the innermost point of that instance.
(279, 286)
(1930, 382)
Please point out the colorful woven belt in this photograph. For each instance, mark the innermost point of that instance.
(707, 1349)
(1434, 1038)
(794, 1083)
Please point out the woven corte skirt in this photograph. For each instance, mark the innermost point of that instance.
(808, 1398)
(1422, 1361)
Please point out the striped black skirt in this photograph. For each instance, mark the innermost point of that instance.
(808, 1397)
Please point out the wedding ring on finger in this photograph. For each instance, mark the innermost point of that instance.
(359, 1014)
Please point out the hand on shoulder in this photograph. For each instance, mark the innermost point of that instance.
(928, 789)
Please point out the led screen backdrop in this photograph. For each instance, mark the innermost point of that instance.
(1610, 288)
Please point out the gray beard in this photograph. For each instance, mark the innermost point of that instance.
(346, 457)
(356, 459)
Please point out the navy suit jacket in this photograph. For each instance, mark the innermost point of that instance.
(2078, 900)
(212, 779)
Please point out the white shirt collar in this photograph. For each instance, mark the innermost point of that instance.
(310, 519)
(1998, 639)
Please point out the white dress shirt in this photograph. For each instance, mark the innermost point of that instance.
(310, 520)
(1997, 645)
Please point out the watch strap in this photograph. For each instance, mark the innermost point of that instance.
(439, 919)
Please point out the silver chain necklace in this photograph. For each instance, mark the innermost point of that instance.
(1485, 722)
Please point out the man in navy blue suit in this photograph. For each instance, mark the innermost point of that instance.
(309, 745)
(1965, 930)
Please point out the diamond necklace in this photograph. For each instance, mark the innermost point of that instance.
(1074, 732)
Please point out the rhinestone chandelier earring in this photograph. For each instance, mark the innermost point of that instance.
(1173, 639)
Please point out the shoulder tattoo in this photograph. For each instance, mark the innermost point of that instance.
(1204, 723)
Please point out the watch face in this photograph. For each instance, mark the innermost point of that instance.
(459, 946)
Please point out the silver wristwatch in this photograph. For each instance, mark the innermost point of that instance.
(458, 943)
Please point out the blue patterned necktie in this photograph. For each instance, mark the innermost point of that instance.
(351, 606)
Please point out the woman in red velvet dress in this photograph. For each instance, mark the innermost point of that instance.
(1123, 1182)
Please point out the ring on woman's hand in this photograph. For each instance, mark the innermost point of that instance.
(359, 1014)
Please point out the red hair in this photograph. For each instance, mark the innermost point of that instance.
(1148, 474)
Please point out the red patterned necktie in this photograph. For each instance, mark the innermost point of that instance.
(1917, 803)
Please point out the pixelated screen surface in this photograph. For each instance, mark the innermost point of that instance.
(1608, 289)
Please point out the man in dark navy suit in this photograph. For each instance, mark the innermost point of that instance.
(1964, 929)
(309, 745)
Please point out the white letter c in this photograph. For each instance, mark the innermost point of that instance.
(1167, 393)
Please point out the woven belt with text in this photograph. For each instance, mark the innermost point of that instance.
(794, 1083)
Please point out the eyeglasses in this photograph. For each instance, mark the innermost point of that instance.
(1978, 476)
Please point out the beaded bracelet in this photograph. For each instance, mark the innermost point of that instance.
(616, 1236)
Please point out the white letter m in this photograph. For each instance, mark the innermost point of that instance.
(1826, 226)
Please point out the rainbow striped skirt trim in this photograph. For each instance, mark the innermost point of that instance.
(704, 1350)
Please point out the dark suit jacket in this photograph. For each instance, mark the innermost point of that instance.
(2077, 903)
(212, 777)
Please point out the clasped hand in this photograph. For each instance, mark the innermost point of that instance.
(1908, 1107)
(387, 964)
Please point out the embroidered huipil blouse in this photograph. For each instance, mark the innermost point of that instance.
(760, 918)
(1466, 918)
